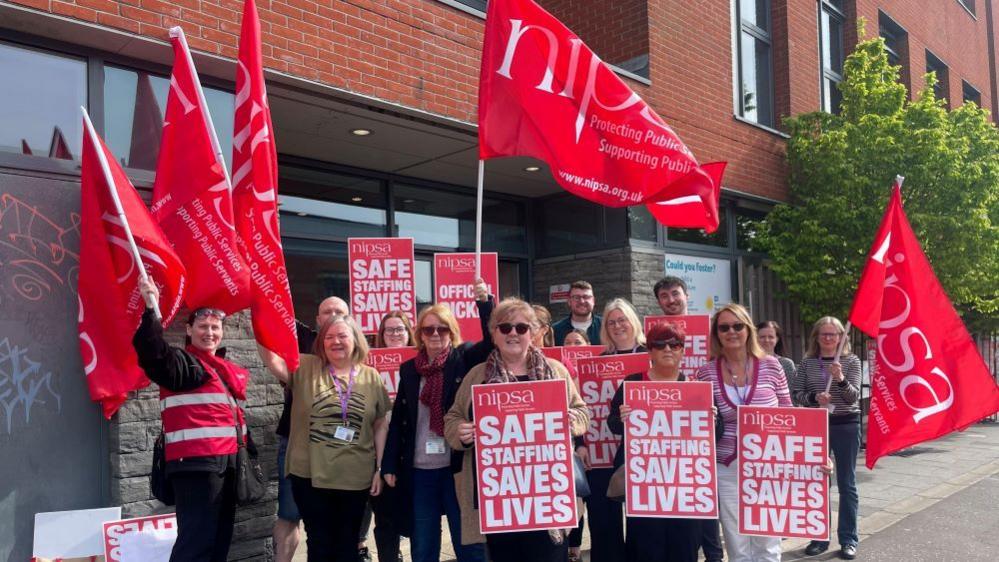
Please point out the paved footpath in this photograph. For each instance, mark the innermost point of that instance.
(926, 483)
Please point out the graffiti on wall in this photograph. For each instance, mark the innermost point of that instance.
(24, 384)
(38, 256)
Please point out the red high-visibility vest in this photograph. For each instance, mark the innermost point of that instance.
(200, 422)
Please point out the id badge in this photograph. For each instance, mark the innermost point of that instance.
(435, 446)
(344, 433)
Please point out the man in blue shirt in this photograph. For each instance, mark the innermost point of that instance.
(581, 317)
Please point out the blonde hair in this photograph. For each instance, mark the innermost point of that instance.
(361, 349)
(380, 336)
(753, 347)
(629, 314)
(443, 312)
(545, 321)
(813, 339)
(510, 306)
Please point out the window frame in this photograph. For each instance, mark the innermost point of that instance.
(826, 7)
(976, 96)
(937, 65)
(740, 27)
(970, 7)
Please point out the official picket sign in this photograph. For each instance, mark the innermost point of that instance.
(696, 342)
(782, 489)
(113, 531)
(523, 456)
(386, 361)
(669, 441)
(382, 279)
(599, 378)
(454, 275)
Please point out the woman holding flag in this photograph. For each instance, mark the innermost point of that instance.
(830, 376)
(514, 359)
(418, 464)
(202, 422)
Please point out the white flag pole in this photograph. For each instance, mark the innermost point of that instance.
(178, 32)
(478, 221)
(113, 190)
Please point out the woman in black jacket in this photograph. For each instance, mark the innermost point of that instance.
(417, 461)
(201, 419)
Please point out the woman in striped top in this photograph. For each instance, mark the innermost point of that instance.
(834, 382)
(741, 374)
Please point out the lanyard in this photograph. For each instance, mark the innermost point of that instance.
(344, 396)
(742, 396)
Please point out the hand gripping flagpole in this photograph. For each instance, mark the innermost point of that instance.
(178, 32)
(478, 222)
(113, 190)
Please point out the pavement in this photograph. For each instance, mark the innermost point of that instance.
(934, 502)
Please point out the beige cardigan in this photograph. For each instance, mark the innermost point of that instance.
(458, 414)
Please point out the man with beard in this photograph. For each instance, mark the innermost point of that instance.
(581, 317)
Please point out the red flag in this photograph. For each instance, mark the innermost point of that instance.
(58, 147)
(930, 379)
(25, 149)
(696, 204)
(543, 93)
(147, 126)
(191, 198)
(255, 176)
(110, 304)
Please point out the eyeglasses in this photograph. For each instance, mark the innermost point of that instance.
(432, 330)
(673, 344)
(397, 330)
(206, 312)
(581, 297)
(836, 335)
(738, 327)
(618, 322)
(506, 327)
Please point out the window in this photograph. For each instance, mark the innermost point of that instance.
(970, 94)
(942, 87)
(570, 225)
(755, 65)
(895, 39)
(968, 5)
(831, 20)
(697, 236)
(134, 106)
(321, 204)
(747, 227)
(40, 102)
(642, 223)
(474, 4)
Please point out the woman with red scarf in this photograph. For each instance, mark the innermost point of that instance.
(199, 394)
(417, 460)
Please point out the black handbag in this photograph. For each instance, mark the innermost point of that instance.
(251, 486)
(159, 485)
(579, 474)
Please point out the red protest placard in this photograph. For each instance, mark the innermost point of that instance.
(599, 378)
(454, 275)
(113, 530)
(669, 445)
(782, 491)
(523, 456)
(696, 342)
(382, 279)
(570, 354)
(386, 361)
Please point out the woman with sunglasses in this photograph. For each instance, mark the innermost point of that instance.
(653, 539)
(515, 359)
(830, 378)
(338, 429)
(418, 463)
(395, 330)
(199, 394)
(771, 339)
(741, 374)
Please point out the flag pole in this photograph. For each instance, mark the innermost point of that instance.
(113, 189)
(478, 221)
(178, 32)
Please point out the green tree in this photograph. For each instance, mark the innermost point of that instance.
(841, 170)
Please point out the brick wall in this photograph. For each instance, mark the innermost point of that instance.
(616, 31)
(137, 424)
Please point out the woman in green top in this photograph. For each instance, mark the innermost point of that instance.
(338, 429)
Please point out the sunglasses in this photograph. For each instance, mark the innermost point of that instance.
(431, 330)
(206, 312)
(663, 344)
(506, 327)
(738, 327)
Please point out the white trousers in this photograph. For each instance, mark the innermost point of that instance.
(740, 548)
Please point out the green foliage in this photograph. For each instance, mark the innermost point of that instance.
(841, 170)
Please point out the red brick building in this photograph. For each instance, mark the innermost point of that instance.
(374, 107)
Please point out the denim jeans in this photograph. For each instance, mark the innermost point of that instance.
(844, 440)
(434, 496)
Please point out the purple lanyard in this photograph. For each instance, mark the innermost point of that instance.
(825, 372)
(344, 396)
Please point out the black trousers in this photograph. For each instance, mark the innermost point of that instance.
(653, 539)
(206, 510)
(526, 546)
(332, 520)
(604, 516)
(385, 507)
(711, 543)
